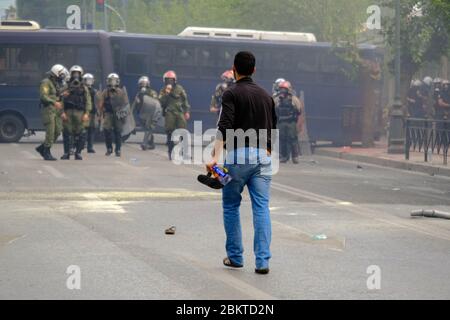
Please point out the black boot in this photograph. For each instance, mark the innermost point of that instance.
(284, 155)
(295, 152)
(108, 142)
(118, 142)
(151, 144)
(67, 139)
(145, 143)
(40, 150)
(170, 146)
(80, 146)
(90, 140)
(48, 155)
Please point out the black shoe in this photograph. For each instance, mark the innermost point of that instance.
(91, 151)
(108, 152)
(66, 156)
(262, 271)
(143, 148)
(284, 160)
(78, 156)
(48, 155)
(118, 153)
(228, 263)
(295, 160)
(40, 150)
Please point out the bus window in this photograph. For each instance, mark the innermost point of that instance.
(206, 60)
(306, 63)
(136, 63)
(226, 57)
(162, 59)
(20, 65)
(89, 59)
(185, 57)
(65, 55)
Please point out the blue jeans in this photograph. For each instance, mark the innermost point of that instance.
(256, 175)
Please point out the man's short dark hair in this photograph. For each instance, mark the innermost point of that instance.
(245, 62)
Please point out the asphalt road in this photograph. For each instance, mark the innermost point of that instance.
(108, 215)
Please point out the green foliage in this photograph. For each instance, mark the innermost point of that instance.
(425, 30)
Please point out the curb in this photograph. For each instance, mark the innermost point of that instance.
(395, 164)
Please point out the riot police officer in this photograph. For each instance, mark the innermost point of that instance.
(175, 106)
(216, 100)
(88, 81)
(77, 108)
(51, 106)
(444, 101)
(288, 113)
(426, 94)
(148, 109)
(113, 101)
(415, 101)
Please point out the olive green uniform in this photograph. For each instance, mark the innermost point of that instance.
(76, 104)
(174, 106)
(51, 117)
(216, 99)
(112, 99)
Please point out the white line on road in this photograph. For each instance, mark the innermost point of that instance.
(28, 155)
(235, 283)
(54, 172)
(365, 212)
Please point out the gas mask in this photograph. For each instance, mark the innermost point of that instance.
(170, 81)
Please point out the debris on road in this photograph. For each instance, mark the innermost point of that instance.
(320, 237)
(171, 230)
(430, 214)
(359, 167)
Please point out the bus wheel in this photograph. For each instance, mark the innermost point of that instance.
(12, 128)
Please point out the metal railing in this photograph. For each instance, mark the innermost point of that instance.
(427, 136)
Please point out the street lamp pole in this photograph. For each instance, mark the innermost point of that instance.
(396, 144)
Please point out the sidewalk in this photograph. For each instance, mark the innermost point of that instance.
(378, 156)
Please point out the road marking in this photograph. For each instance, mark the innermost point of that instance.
(54, 172)
(242, 286)
(366, 212)
(28, 155)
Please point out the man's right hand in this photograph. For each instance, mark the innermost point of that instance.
(64, 116)
(58, 105)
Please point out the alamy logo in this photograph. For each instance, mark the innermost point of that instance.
(73, 282)
(374, 280)
(374, 20)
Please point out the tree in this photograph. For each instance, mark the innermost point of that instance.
(425, 34)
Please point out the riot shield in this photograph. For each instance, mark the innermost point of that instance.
(122, 110)
(151, 110)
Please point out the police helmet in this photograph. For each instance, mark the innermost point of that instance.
(144, 82)
(228, 76)
(170, 75)
(428, 81)
(113, 80)
(76, 69)
(417, 83)
(276, 85)
(58, 71)
(88, 79)
(437, 80)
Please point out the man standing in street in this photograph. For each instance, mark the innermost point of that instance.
(175, 106)
(51, 107)
(246, 108)
(77, 108)
(289, 111)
